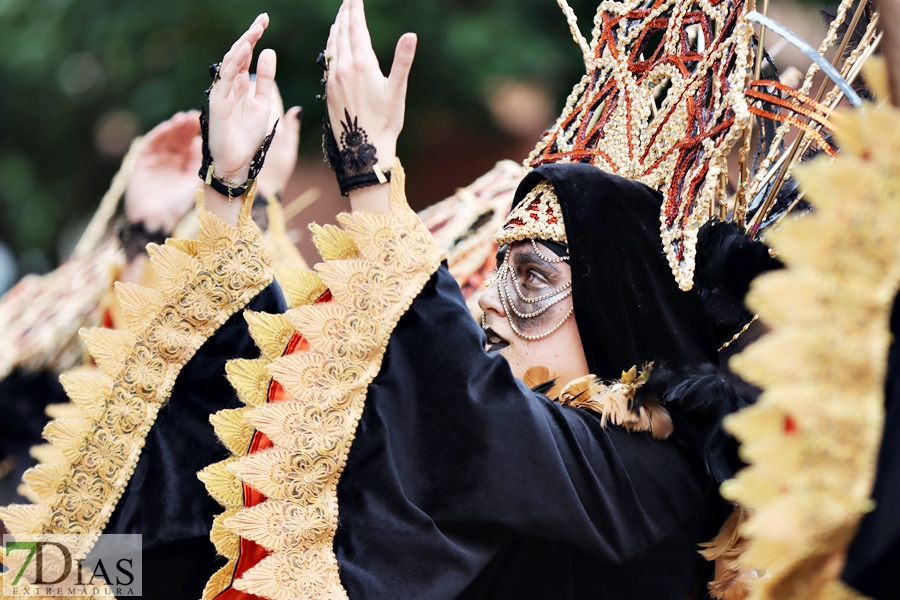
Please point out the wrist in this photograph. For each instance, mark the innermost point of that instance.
(237, 176)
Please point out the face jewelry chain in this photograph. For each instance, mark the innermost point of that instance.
(504, 275)
(510, 309)
(504, 268)
(547, 258)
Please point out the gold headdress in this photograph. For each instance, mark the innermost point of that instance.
(670, 87)
(661, 103)
(537, 216)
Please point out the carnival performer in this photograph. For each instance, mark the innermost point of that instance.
(451, 477)
(398, 451)
(164, 502)
(160, 180)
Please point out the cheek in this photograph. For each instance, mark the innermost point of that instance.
(533, 319)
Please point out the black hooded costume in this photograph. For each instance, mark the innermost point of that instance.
(463, 483)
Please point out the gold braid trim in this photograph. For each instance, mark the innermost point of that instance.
(375, 266)
(812, 440)
(201, 285)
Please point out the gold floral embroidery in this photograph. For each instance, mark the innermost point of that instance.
(375, 267)
(201, 286)
(812, 440)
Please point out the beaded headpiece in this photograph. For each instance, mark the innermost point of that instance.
(661, 103)
(671, 86)
(537, 217)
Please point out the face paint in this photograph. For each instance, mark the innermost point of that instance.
(530, 286)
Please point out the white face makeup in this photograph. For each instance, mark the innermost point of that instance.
(530, 283)
(528, 311)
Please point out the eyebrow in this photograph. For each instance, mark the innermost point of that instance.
(529, 258)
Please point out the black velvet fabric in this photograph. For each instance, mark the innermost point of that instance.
(164, 501)
(23, 398)
(628, 306)
(463, 483)
(178, 570)
(873, 561)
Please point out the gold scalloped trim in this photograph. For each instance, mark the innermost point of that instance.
(375, 267)
(201, 285)
(812, 440)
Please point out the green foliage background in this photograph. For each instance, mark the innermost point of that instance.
(65, 63)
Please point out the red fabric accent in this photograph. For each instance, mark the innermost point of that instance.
(251, 552)
(107, 319)
(790, 425)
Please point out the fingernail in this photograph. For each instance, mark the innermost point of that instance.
(410, 42)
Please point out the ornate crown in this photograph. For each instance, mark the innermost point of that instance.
(537, 217)
(672, 85)
(662, 102)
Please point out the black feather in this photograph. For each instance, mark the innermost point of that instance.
(698, 394)
(727, 262)
(543, 388)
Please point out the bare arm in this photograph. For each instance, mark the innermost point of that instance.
(356, 85)
(162, 188)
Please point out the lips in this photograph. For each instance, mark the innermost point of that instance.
(495, 342)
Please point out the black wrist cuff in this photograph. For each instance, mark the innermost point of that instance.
(354, 162)
(356, 182)
(208, 172)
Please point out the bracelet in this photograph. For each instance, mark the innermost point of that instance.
(354, 162)
(322, 62)
(207, 172)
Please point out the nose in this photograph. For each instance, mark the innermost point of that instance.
(490, 300)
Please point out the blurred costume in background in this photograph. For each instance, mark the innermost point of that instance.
(465, 223)
(39, 322)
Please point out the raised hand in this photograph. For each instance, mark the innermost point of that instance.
(161, 189)
(356, 86)
(239, 112)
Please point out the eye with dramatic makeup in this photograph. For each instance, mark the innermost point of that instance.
(530, 291)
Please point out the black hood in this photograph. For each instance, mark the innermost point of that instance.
(628, 306)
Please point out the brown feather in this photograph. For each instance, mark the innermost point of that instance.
(732, 582)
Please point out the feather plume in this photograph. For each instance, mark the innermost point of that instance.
(333, 243)
(44, 480)
(270, 332)
(301, 286)
(732, 582)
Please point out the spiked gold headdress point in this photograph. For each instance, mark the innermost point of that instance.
(537, 217)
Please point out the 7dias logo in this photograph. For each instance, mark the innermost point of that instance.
(72, 565)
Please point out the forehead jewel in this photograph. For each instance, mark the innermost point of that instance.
(536, 217)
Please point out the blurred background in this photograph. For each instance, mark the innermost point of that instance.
(80, 78)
